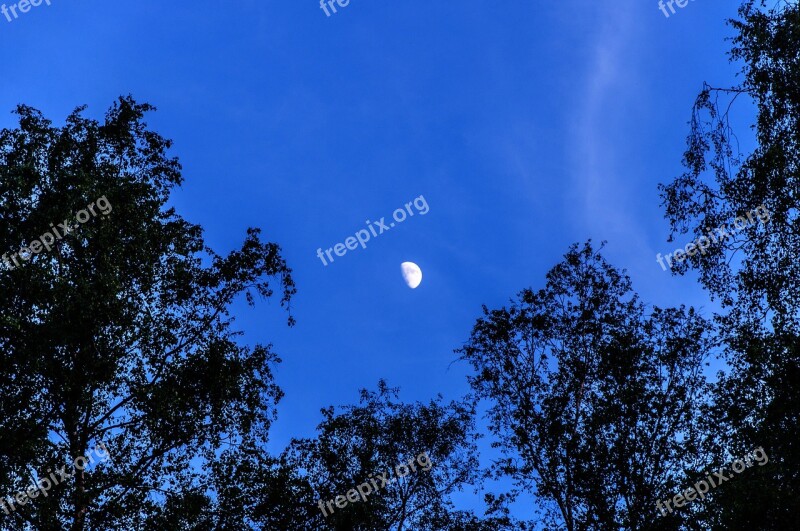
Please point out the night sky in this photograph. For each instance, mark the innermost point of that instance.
(526, 126)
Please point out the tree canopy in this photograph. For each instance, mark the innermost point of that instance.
(120, 333)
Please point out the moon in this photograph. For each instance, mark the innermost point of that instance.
(412, 274)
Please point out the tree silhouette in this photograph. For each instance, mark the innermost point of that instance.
(120, 331)
(754, 273)
(375, 438)
(592, 401)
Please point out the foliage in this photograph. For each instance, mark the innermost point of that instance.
(375, 436)
(755, 275)
(593, 402)
(120, 333)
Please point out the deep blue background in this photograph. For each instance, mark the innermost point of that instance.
(527, 126)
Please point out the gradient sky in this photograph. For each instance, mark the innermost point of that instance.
(527, 126)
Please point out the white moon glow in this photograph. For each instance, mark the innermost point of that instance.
(412, 274)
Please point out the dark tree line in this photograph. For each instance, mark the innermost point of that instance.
(594, 401)
(120, 333)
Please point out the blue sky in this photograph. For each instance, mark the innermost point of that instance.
(527, 126)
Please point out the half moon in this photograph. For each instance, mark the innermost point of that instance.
(412, 274)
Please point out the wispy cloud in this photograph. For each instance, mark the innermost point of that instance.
(600, 132)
